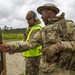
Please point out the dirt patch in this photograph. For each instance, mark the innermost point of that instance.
(15, 64)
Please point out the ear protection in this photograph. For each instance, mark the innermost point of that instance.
(34, 15)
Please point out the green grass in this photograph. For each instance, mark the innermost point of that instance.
(11, 37)
(13, 34)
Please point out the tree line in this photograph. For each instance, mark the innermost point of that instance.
(13, 34)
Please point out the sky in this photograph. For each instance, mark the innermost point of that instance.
(13, 12)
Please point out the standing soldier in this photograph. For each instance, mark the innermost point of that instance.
(64, 60)
(32, 57)
(52, 38)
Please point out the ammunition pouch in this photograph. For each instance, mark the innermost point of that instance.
(65, 58)
(72, 64)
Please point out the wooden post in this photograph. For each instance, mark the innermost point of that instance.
(2, 59)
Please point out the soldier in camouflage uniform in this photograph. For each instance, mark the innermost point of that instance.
(32, 58)
(57, 35)
(66, 56)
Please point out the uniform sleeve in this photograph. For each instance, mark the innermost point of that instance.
(24, 46)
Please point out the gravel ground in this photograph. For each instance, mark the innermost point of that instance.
(15, 64)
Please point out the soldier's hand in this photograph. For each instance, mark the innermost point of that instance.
(5, 47)
(51, 50)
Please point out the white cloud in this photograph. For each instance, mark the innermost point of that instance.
(13, 12)
(67, 6)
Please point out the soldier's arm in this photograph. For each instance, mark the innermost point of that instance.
(24, 46)
(58, 47)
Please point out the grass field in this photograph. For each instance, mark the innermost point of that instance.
(11, 37)
(14, 35)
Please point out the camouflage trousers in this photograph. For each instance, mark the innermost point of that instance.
(32, 65)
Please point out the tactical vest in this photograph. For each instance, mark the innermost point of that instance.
(36, 51)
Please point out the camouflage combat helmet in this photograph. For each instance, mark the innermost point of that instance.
(48, 6)
(30, 14)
